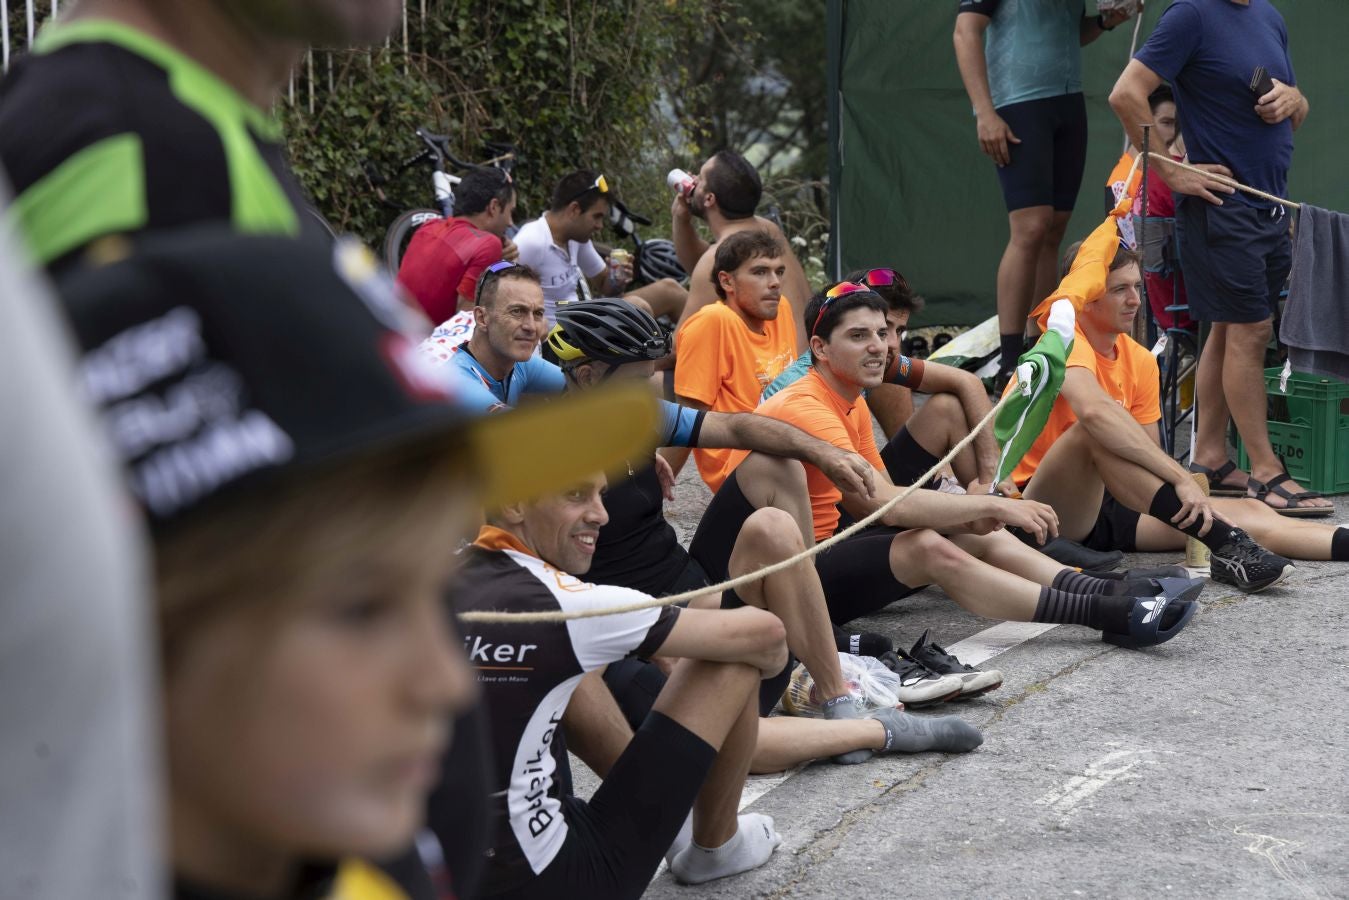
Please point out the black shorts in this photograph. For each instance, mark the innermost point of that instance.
(856, 575)
(905, 460)
(1116, 527)
(616, 840)
(720, 528)
(1046, 167)
(1234, 258)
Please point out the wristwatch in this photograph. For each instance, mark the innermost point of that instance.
(1100, 23)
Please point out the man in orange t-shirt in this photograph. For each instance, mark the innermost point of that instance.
(1099, 461)
(954, 541)
(728, 352)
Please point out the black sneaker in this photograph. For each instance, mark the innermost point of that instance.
(1073, 554)
(1244, 564)
(919, 685)
(973, 682)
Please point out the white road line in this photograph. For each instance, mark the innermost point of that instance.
(990, 642)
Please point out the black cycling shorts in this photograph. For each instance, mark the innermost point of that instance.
(906, 460)
(1116, 527)
(616, 840)
(720, 528)
(1046, 167)
(856, 575)
(1234, 257)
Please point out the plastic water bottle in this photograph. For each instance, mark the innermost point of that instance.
(681, 182)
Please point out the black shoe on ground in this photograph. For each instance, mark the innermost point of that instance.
(974, 682)
(1244, 564)
(1071, 553)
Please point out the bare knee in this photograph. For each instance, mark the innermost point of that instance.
(1245, 337)
(770, 532)
(1031, 228)
(926, 553)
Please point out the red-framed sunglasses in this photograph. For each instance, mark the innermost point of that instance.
(841, 289)
(884, 278)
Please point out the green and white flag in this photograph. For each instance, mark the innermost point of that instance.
(1039, 376)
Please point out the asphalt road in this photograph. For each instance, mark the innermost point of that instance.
(1212, 766)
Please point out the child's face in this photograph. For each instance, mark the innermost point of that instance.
(314, 722)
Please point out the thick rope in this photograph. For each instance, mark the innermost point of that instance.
(1223, 179)
(523, 618)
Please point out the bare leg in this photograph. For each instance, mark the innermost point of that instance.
(1030, 228)
(1210, 437)
(938, 426)
(780, 483)
(1047, 266)
(665, 297)
(719, 703)
(925, 557)
(1002, 551)
(786, 741)
(892, 406)
(1292, 538)
(1244, 384)
(793, 595)
(596, 730)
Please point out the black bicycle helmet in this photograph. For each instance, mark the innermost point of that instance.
(612, 331)
(657, 259)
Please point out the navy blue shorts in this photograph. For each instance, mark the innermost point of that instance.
(1046, 167)
(1235, 258)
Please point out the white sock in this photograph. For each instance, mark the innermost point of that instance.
(681, 841)
(750, 847)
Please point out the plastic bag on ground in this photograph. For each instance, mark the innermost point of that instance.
(867, 679)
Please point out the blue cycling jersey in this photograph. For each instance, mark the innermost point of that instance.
(533, 376)
(680, 425)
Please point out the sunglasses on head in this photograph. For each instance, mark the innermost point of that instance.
(884, 278)
(600, 184)
(842, 289)
(492, 271)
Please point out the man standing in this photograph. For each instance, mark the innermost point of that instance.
(728, 352)
(446, 257)
(1022, 69)
(1235, 250)
(726, 194)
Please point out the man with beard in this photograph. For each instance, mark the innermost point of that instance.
(729, 351)
(725, 196)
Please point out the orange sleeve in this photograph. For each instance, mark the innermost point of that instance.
(698, 358)
(1146, 407)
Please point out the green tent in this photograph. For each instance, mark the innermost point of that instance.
(910, 187)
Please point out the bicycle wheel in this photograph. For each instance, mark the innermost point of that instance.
(399, 235)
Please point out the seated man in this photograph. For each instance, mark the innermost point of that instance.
(446, 257)
(726, 194)
(728, 351)
(956, 402)
(691, 752)
(1099, 462)
(559, 245)
(987, 572)
(500, 355)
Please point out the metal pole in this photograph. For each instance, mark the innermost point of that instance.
(4, 35)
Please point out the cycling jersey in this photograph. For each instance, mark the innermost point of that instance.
(909, 374)
(444, 261)
(638, 548)
(105, 130)
(560, 269)
(1032, 49)
(533, 376)
(528, 674)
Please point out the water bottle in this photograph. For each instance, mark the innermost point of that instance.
(681, 182)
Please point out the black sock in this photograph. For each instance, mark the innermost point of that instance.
(1012, 345)
(1075, 582)
(1339, 545)
(1166, 503)
(1099, 612)
(865, 644)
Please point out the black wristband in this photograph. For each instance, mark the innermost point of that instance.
(1100, 22)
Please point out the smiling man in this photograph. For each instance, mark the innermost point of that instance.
(728, 352)
(508, 324)
(1099, 462)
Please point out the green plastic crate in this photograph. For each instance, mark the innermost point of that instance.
(1309, 430)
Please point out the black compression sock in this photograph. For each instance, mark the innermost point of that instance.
(1075, 582)
(1012, 345)
(1099, 612)
(1166, 503)
(864, 644)
(1339, 545)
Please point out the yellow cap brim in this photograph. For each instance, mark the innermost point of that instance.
(543, 446)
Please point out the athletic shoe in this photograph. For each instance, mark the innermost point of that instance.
(1155, 572)
(919, 685)
(1244, 564)
(973, 682)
